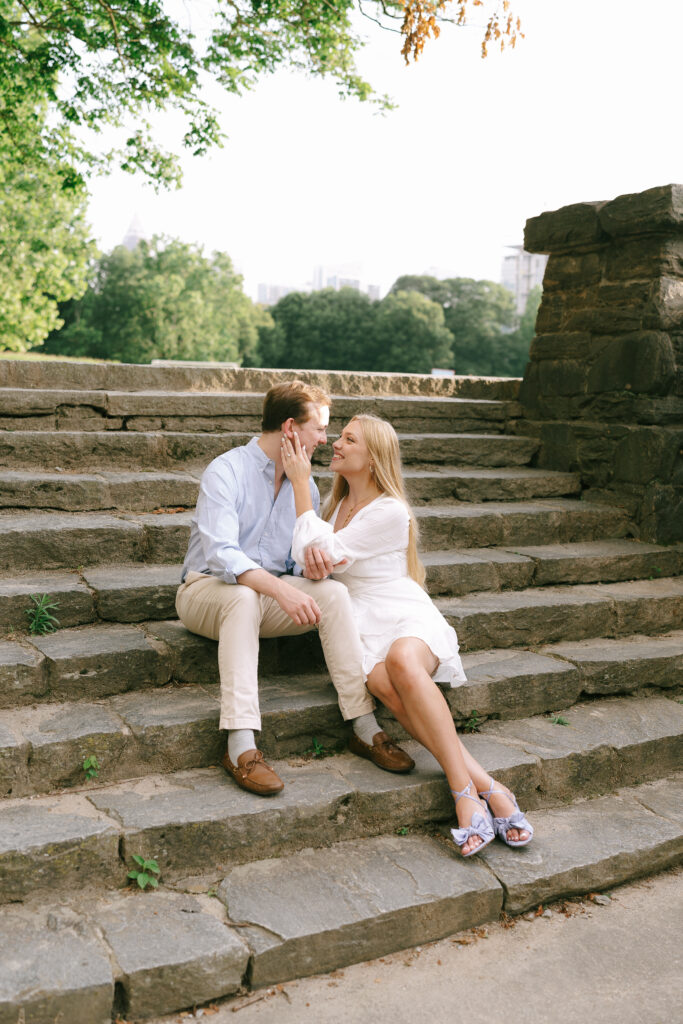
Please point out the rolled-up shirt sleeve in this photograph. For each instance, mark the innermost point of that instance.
(381, 529)
(218, 525)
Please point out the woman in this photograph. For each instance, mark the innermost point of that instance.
(370, 538)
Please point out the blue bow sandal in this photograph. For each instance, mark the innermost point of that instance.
(481, 824)
(516, 820)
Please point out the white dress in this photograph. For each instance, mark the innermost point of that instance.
(387, 602)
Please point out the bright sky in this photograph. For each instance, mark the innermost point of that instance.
(588, 106)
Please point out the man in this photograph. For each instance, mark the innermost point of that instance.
(240, 583)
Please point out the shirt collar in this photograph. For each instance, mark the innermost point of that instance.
(265, 464)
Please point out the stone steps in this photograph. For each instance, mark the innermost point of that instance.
(171, 379)
(51, 540)
(91, 959)
(190, 819)
(153, 728)
(53, 409)
(543, 615)
(83, 449)
(134, 592)
(146, 490)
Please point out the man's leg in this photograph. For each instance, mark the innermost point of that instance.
(341, 647)
(231, 614)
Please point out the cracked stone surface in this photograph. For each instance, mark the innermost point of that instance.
(54, 969)
(23, 675)
(75, 602)
(134, 593)
(363, 898)
(170, 952)
(510, 683)
(593, 845)
(617, 666)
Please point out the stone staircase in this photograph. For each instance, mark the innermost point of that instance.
(572, 633)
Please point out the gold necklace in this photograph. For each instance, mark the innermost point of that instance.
(352, 510)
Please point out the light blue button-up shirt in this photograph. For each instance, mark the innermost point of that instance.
(239, 524)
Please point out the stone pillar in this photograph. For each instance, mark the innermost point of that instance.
(603, 390)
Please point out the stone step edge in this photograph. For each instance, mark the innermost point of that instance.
(130, 731)
(77, 837)
(102, 941)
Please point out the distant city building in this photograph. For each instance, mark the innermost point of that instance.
(135, 234)
(269, 294)
(343, 275)
(521, 272)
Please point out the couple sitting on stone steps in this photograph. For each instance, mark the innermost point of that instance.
(258, 565)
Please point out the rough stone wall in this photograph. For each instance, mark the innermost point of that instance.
(603, 389)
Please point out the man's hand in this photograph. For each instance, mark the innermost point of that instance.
(319, 565)
(301, 608)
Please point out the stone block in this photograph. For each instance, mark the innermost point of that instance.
(663, 797)
(509, 683)
(135, 593)
(146, 491)
(193, 659)
(23, 676)
(572, 271)
(200, 816)
(171, 953)
(97, 661)
(563, 346)
(569, 229)
(655, 211)
(620, 741)
(461, 572)
(363, 899)
(50, 843)
(74, 600)
(530, 617)
(640, 363)
(172, 728)
(55, 968)
(621, 666)
(14, 752)
(297, 710)
(647, 606)
(644, 258)
(63, 735)
(591, 846)
(562, 377)
(601, 561)
(49, 540)
(166, 537)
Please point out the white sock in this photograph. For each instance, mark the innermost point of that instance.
(239, 741)
(365, 727)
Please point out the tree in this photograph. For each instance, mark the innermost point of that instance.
(479, 314)
(162, 300)
(114, 62)
(325, 330)
(43, 240)
(410, 335)
(516, 351)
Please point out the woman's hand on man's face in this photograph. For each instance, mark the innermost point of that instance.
(295, 460)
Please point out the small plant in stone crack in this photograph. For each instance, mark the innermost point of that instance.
(146, 873)
(473, 723)
(559, 720)
(403, 830)
(318, 749)
(40, 617)
(91, 766)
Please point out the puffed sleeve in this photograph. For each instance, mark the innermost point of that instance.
(380, 528)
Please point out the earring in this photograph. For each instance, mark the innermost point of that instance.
(372, 470)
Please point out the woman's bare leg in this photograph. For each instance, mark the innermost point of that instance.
(426, 716)
(381, 685)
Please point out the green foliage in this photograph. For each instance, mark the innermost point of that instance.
(410, 335)
(43, 236)
(481, 317)
(162, 300)
(146, 873)
(345, 330)
(559, 720)
(473, 723)
(403, 830)
(40, 617)
(91, 767)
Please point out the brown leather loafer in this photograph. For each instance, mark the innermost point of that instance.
(253, 774)
(383, 752)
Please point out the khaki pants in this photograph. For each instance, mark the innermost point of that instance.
(237, 616)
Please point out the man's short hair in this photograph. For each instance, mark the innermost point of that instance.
(290, 399)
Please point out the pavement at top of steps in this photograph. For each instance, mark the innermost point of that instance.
(612, 962)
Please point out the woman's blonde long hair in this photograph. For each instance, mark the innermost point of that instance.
(382, 442)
